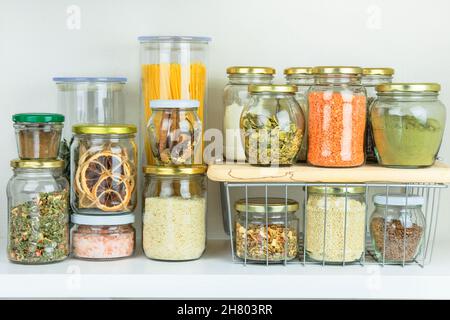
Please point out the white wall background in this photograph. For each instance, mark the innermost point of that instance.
(38, 41)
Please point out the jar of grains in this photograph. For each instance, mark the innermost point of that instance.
(103, 169)
(397, 227)
(335, 224)
(337, 117)
(303, 79)
(266, 230)
(38, 221)
(372, 77)
(408, 123)
(174, 220)
(272, 125)
(235, 96)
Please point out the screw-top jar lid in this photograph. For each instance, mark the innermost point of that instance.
(276, 88)
(408, 87)
(378, 71)
(174, 104)
(104, 129)
(337, 70)
(398, 200)
(38, 117)
(274, 205)
(250, 70)
(103, 220)
(175, 170)
(337, 190)
(298, 70)
(36, 164)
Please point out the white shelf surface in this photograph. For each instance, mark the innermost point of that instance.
(215, 276)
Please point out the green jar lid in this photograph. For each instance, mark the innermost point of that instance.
(38, 117)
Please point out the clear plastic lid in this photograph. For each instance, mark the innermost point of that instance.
(174, 104)
(90, 79)
(174, 39)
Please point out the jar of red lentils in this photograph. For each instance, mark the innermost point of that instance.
(337, 117)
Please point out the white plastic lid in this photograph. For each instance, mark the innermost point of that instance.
(398, 200)
(91, 220)
(174, 104)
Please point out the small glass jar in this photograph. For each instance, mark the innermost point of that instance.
(103, 237)
(372, 77)
(38, 220)
(335, 224)
(408, 123)
(175, 132)
(266, 235)
(174, 217)
(103, 169)
(38, 135)
(337, 118)
(272, 125)
(235, 96)
(397, 227)
(303, 79)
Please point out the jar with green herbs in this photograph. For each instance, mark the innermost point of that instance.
(272, 125)
(408, 123)
(38, 220)
(266, 229)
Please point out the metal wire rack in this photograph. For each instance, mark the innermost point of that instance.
(431, 194)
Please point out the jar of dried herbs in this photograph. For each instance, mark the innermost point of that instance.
(38, 220)
(272, 125)
(266, 229)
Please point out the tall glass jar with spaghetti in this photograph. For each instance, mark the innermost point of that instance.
(337, 117)
(103, 169)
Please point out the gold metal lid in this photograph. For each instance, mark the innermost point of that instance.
(250, 69)
(337, 70)
(175, 170)
(408, 87)
(104, 129)
(37, 164)
(274, 205)
(337, 190)
(298, 70)
(278, 88)
(378, 71)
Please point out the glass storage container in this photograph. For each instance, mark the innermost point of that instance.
(372, 77)
(235, 97)
(303, 79)
(272, 125)
(38, 219)
(174, 218)
(175, 132)
(172, 67)
(103, 169)
(337, 117)
(103, 237)
(408, 123)
(335, 224)
(266, 231)
(38, 135)
(397, 227)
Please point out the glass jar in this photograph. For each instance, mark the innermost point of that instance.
(103, 169)
(335, 224)
(175, 132)
(337, 117)
(397, 227)
(303, 79)
(235, 96)
(266, 235)
(38, 220)
(174, 218)
(172, 67)
(372, 77)
(38, 135)
(408, 123)
(272, 125)
(103, 237)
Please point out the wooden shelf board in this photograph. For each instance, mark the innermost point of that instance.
(438, 173)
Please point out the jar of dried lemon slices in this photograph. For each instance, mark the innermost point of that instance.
(103, 169)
